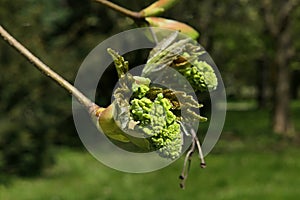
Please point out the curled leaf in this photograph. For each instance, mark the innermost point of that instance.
(157, 8)
(147, 116)
(185, 56)
(120, 63)
(173, 25)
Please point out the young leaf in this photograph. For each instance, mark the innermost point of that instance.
(173, 25)
(157, 8)
(120, 64)
(184, 56)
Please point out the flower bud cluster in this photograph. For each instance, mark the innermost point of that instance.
(157, 121)
(200, 75)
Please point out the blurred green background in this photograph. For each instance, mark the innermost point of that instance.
(255, 45)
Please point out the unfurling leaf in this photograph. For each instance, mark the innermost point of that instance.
(173, 25)
(120, 64)
(184, 56)
(146, 116)
(157, 8)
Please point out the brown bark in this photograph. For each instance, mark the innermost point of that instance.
(277, 25)
(281, 119)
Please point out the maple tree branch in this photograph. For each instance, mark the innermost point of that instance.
(269, 17)
(120, 9)
(46, 70)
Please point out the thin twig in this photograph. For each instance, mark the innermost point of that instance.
(124, 11)
(188, 158)
(46, 70)
(186, 165)
(201, 157)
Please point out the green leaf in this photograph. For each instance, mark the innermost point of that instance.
(120, 63)
(184, 56)
(173, 25)
(158, 8)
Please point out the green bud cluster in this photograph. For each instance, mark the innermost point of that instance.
(184, 56)
(200, 75)
(157, 121)
(151, 112)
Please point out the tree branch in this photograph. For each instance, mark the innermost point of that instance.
(269, 18)
(124, 11)
(286, 12)
(47, 70)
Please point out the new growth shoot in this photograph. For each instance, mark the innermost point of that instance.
(145, 116)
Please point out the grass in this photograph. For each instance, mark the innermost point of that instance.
(238, 175)
(248, 162)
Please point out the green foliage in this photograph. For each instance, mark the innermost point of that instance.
(24, 152)
(184, 56)
(120, 64)
(200, 75)
(158, 123)
(173, 25)
(238, 168)
(230, 176)
(35, 113)
(158, 8)
(150, 114)
(148, 110)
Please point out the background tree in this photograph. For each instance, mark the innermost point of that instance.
(277, 17)
(253, 43)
